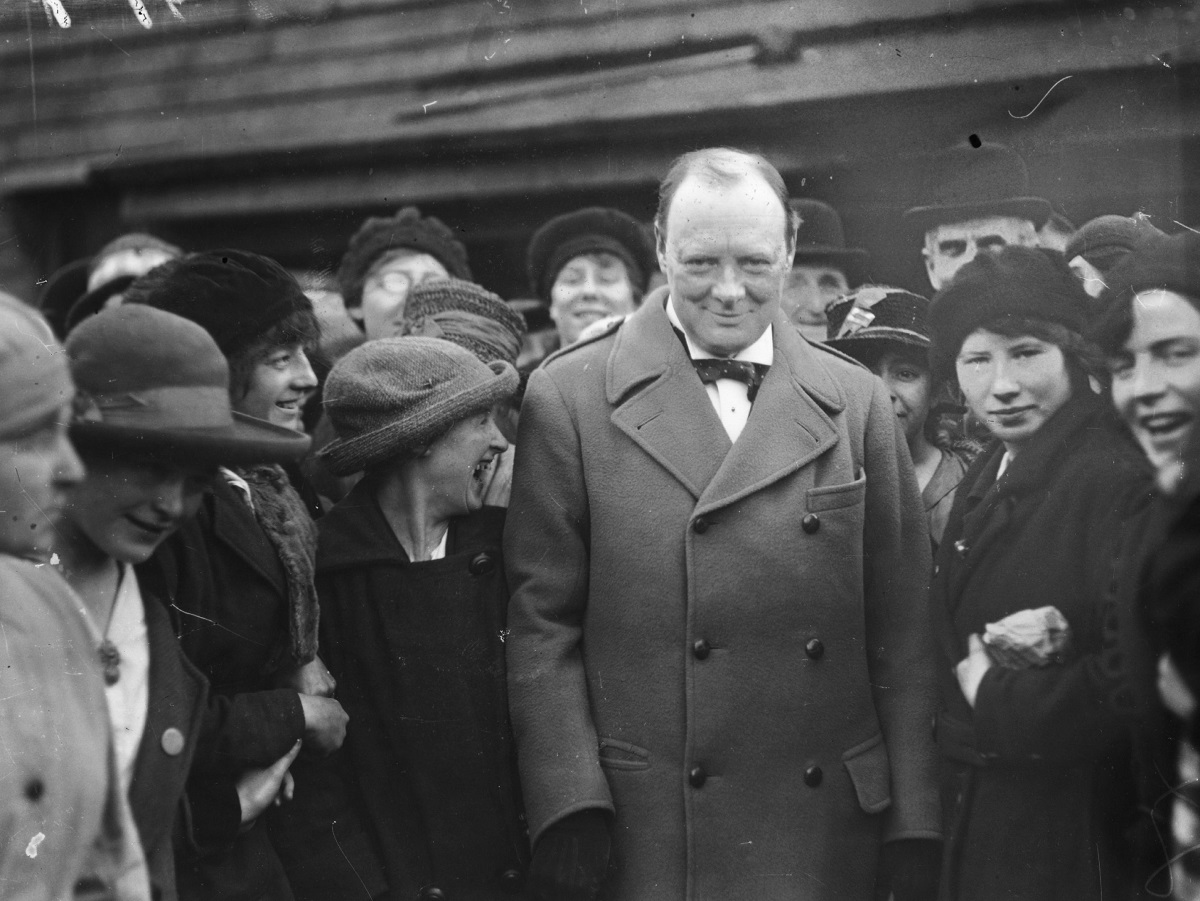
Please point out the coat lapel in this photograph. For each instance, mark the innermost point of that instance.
(235, 526)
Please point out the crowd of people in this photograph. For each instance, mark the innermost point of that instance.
(711, 570)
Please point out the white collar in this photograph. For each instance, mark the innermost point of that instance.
(761, 351)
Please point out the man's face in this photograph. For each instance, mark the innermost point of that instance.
(951, 246)
(808, 291)
(725, 254)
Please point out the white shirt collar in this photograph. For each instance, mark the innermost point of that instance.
(761, 351)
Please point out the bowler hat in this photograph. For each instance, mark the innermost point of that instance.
(820, 240)
(589, 230)
(154, 382)
(62, 291)
(881, 315)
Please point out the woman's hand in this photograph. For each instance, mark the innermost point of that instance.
(259, 789)
(1176, 696)
(971, 669)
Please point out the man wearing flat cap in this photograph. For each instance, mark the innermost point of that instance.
(719, 658)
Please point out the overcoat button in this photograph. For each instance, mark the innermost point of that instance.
(172, 742)
(810, 523)
(34, 789)
(700, 649)
(697, 777)
(813, 776)
(432, 893)
(700, 526)
(511, 879)
(815, 649)
(961, 547)
(482, 564)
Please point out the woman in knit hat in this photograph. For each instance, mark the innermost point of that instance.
(1037, 784)
(240, 572)
(589, 265)
(886, 330)
(152, 422)
(65, 825)
(413, 617)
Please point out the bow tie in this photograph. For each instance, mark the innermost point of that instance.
(751, 374)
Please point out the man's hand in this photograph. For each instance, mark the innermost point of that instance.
(571, 858)
(909, 869)
(312, 678)
(258, 789)
(972, 668)
(324, 724)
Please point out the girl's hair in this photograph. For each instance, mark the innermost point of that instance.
(1082, 357)
(300, 327)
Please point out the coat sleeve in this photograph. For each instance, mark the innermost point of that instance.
(899, 624)
(546, 549)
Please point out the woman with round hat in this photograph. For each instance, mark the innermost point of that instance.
(65, 826)
(152, 422)
(886, 330)
(1036, 773)
(413, 615)
(588, 265)
(240, 571)
(1150, 334)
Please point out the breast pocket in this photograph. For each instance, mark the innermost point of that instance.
(835, 497)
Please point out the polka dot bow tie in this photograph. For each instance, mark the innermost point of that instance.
(751, 374)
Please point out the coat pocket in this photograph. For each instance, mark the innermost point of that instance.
(621, 755)
(833, 497)
(870, 771)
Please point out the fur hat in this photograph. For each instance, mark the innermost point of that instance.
(1107, 240)
(407, 230)
(820, 240)
(394, 395)
(467, 315)
(153, 382)
(590, 230)
(1014, 281)
(33, 369)
(973, 183)
(881, 316)
(237, 296)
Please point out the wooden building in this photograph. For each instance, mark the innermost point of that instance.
(278, 125)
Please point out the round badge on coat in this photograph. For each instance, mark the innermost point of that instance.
(172, 742)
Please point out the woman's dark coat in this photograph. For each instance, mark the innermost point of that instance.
(1037, 783)
(418, 652)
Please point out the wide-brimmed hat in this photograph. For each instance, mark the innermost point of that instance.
(875, 316)
(821, 241)
(33, 371)
(466, 314)
(968, 182)
(394, 395)
(590, 230)
(156, 383)
(62, 291)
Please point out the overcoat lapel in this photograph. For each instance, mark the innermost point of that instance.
(235, 526)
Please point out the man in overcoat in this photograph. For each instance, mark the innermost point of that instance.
(720, 660)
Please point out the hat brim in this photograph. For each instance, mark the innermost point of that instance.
(876, 337)
(922, 218)
(93, 302)
(247, 440)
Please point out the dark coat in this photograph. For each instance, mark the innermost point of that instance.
(730, 647)
(418, 652)
(1037, 779)
(226, 590)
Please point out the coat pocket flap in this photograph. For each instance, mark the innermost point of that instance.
(870, 771)
(621, 755)
(832, 497)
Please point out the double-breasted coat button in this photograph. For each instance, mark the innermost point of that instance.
(810, 523)
(700, 649)
(511, 879)
(482, 563)
(961, 547)
(172, 742)
(700, 526)
(813, 776)
(34, 789)
(697, 777)
(431, 893)
(815, 648)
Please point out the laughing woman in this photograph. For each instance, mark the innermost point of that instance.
(413, 613)
(1036, 773)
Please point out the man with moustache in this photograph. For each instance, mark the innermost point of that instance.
(719, 657)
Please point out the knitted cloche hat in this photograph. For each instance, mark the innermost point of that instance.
(1014, 281)
(407, 230)
(395, 395)
(156, 383)
(590, 230)
(1106, 241)
(878, 315)
(820, 240)
(33, 369)
(237, 296)
(465, 314)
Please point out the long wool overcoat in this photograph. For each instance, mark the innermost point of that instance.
(728, 646)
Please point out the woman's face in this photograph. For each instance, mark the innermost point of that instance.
(37, 470)
(386, 289)
(280, 384)
(1156, 377)
(128, 507)
(906, 374)
(458, 464)
(587, 289)
(1012, 385)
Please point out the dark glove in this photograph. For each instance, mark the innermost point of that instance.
(571, 857)
(909, 869)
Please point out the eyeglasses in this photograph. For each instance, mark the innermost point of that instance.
(391, 282)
